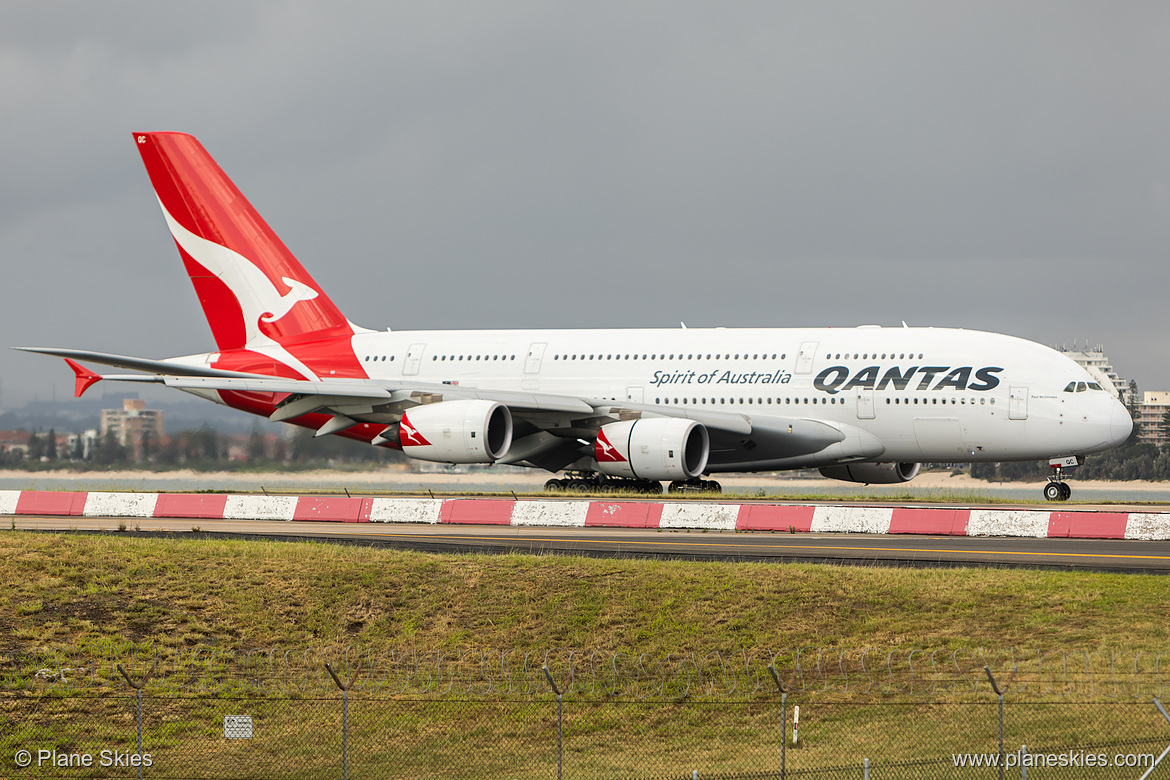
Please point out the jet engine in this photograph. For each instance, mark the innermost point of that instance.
(655, 449)
(873, 473)
(457, 432)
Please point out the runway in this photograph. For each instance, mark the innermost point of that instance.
(1116, 555)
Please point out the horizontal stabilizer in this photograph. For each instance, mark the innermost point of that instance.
(137, 364)
(85, 378)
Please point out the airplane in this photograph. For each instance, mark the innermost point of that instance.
(613, 408)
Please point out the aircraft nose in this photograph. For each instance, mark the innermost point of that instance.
(1120, 424)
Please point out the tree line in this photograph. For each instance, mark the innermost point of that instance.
(203, 448)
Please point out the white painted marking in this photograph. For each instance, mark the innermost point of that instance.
(8, 501)
(852, 519)
(120, 505)
(563, 514)
(715, 517)
(405, 510)
(1148, 526)
(260, 507)
(1003, 522)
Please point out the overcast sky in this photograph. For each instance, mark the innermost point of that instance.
(998, 166)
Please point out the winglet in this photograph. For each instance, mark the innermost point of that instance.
(85, 378)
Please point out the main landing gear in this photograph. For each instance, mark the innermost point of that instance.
(587, 482)
(1057, 489)
(695, 486)
(584, 482)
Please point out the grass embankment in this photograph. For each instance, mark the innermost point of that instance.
(64, 591)
(71, 590)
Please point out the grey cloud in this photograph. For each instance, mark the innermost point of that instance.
(995, 166)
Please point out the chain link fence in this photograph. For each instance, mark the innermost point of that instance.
(228, 723)
(590, 674)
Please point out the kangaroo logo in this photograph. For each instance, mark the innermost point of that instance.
(258, 297)
(606, 452)
(409, 435)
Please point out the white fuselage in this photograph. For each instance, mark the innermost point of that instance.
(927, 394)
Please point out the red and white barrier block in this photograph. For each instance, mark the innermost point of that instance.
(573, 513)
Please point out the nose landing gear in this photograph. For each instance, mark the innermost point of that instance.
(1057, 489)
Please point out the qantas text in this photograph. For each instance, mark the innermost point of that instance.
(836, 379)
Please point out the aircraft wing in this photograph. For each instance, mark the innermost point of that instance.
(186, 376)
(135, 364)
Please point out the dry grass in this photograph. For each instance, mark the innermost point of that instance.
(85, 590)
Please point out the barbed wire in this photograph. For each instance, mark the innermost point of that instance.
(590, 674)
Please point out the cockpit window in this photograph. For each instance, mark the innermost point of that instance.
(1082, 387)
(1071, 387)
(1094, 386)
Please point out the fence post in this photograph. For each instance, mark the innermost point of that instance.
(560, 712)
(1165, 715)
(138, 695)
(783, 688)
(999, 693)
(344, 720)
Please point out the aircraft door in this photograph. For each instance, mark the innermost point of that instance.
(413, 359)
(804, 360)
(865, 403)
(1018, 403)
(535, 354)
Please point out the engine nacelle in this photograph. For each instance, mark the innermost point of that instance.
(658, 448)
(457, 432)
(873, 473)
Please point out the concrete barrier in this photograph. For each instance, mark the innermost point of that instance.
(8, 501)
(1008, 522)
(569, 514)
(193, 505)
(1147, 526)
(405, 510)
(120, 505)
(711, 517)
(61, 504)
(623, 514)
(852, 519)
(332, 509)
(577, 513)
(240, 507)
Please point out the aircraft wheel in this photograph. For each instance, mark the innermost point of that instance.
(554, 486)
(711, 486)
(1053, 491)
(1065, 491)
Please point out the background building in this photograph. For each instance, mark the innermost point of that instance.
(1150, 413)
(134, 424)
(1097, 364)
